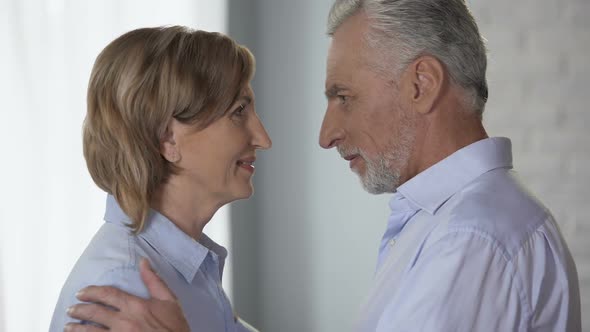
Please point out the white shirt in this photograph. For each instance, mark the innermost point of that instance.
(191, 269)
(478, 253)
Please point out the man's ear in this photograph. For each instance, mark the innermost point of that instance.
(422, 83)
(169, 148)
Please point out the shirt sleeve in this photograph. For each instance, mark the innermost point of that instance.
(127, 279)
(462, 282)
(124, 278)
(550, 281)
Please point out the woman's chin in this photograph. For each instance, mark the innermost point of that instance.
(244, 193)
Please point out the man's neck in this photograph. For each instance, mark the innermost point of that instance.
(442, 133)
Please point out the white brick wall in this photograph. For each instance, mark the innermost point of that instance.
(539, 78)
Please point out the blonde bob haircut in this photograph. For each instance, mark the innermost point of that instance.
(139, 83)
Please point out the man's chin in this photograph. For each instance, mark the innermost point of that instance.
(372, 188)
(377, 188)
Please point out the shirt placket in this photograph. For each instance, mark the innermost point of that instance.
(215, 279)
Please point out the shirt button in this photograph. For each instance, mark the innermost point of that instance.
(391, 242)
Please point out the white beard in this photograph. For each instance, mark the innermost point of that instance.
(383, 173)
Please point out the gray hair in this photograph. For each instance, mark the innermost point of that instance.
(407, 29)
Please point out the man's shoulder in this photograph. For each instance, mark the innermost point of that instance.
(499, 207)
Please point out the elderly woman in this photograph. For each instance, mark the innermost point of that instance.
(171, 135)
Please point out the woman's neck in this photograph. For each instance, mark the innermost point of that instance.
(187, 208)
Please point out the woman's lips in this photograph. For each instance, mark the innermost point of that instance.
(247, 164)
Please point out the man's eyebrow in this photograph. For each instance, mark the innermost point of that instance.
(333, 90)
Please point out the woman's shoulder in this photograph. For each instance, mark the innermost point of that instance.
(113, 246)
(111, 258)
(113, 252)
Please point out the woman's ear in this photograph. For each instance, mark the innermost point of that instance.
(169, 148)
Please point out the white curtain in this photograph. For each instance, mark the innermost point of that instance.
(49, 206)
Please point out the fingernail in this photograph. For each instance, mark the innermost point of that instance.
(70, 311)
(80, 293)
(68, 328)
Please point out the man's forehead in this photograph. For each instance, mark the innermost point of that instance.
(351, 31)
(347, 44)
(344, 59)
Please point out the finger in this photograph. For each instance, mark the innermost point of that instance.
(76, 327)
(154, 284)
(106, 295)
(92, 312)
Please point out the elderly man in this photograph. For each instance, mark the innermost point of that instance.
(467, 248)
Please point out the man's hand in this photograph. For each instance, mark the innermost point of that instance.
(161, 312)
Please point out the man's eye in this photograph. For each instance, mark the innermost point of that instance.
(342, 99)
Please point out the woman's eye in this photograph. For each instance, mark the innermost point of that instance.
(240, 110)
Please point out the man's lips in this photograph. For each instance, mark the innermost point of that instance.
(353, 159)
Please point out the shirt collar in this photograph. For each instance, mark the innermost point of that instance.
(180, 250)
(434, 186)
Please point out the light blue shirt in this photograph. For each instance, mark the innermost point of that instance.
(478, 253)
(191, 269)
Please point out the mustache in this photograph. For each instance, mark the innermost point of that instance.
(347, 151)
